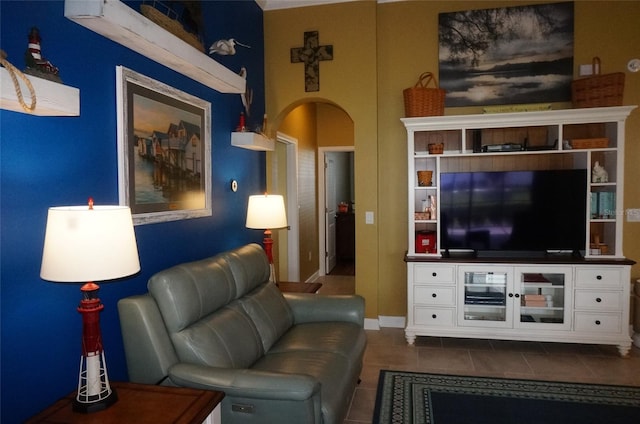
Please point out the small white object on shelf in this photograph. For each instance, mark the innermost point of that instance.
(599, 174)
(252, 141)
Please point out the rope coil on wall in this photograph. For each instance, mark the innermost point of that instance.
(15, 73)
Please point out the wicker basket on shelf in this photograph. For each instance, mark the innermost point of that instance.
(424, 178)
(590, 143)
(422, 100)
(598, 90)
(436, 148)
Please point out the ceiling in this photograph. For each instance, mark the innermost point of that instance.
(288, 4)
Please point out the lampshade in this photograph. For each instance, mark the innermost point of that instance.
(83, 244)
(266, 211)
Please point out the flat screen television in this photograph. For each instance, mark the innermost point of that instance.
(514, 213)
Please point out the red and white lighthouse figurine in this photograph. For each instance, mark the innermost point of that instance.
(36, 64)
(94, 390)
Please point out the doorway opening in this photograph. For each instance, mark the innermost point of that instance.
(336, 210)
(314, 127)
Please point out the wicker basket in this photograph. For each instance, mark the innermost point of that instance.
(590, 143)
(420, 100)
(598, 90)
(424, 178)
(436, 148)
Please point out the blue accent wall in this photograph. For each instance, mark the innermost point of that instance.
(53, 161)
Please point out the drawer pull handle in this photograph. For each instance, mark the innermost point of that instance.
(434, 274)
(510, 294)
(597, 322)
(599, 277)
(598, 300)
(517, 295)
(434, 316)
(434, 295)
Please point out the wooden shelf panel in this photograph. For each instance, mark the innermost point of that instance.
(118, 22)
(252, 141)
(52, 98)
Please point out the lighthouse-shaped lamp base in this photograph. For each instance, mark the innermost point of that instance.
(268, 248)
(94, 391)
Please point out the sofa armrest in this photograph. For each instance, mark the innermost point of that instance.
(246, 383)
(319, 308)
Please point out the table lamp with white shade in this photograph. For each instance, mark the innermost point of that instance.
(87, 244)
(266, 212)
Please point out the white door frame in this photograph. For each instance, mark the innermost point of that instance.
(322, 246)
(293, 233)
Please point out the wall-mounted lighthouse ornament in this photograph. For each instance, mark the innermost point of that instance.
(226, 47)
(311, 55)
(37, 65)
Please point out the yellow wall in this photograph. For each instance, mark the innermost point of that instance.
(349, 80)
(335, 127)
(379, 50)
(300, 123)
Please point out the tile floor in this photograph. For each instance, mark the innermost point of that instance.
(387, 349)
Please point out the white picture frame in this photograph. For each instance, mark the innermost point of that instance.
(164, 150)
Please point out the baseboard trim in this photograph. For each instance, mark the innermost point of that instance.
(383, 321)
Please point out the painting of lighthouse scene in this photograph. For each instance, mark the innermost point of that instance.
(165, 150)
(507, 56)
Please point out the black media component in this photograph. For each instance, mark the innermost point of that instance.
(477, 141)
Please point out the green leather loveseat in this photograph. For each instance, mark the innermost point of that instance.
(219, 324)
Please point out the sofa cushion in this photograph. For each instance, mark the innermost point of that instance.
(188, 292)
(226, 338)
(343, 338)
(334, 372)
(269, 312)
(250, 267)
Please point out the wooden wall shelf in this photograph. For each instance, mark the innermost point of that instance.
(53, 99)
(120, 23)
(252, 141)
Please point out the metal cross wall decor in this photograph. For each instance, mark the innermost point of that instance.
(311, 55)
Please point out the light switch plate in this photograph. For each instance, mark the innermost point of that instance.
(586, 70)
(368, 217)
(633, 215)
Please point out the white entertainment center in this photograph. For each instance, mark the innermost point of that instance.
(557, 296)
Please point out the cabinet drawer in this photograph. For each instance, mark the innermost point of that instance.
(585, 321)
(598, 300)
(592, 277)
(435, 317)
(434, 295)
(433, 274)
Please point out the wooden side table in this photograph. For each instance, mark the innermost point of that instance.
(291, 287)
(142, 404)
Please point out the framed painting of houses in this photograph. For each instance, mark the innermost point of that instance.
(164, 150)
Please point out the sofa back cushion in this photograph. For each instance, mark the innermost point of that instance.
(269, 311)
(188, 292)
(196, 301)
(249, 266)
(226, 339)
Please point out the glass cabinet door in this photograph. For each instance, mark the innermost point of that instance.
(485, 297)
(543, 298)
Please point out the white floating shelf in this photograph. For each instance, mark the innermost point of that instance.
(52, 98)
(252, 141)
(120, 23)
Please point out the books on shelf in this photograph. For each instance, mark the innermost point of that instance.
(603, 205)
(536, 303)
(535, 297)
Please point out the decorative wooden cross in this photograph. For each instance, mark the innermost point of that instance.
(311, 54)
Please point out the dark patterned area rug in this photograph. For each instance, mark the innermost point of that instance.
(407, 397)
